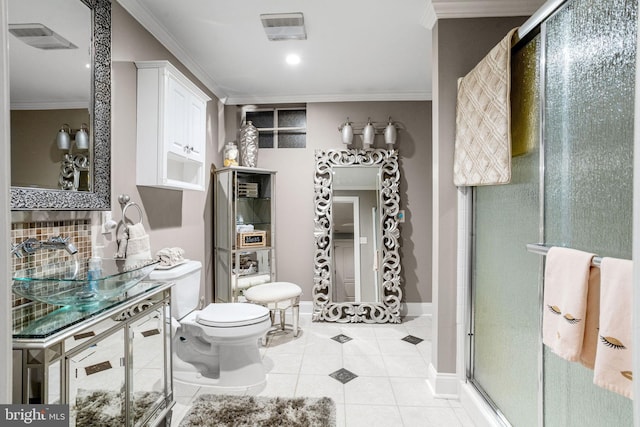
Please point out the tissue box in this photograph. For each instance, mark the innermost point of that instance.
(253, 239)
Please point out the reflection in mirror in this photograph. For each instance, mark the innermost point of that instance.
(357, 266)
(60, 96)
(355, 219)
(50, 78)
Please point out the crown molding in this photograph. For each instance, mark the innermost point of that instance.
(338, 97)
(448, 9)
(429, 16)
(51, 105)
(141, 14)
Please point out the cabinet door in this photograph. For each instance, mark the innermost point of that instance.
(96, 383)
(177, 122)
(148, 371)
(197, 119)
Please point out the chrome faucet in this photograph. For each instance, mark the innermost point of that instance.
(31, 245)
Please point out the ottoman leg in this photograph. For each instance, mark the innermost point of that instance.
(282, 322)
(296, 311)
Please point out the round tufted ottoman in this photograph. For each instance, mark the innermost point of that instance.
(277, 296)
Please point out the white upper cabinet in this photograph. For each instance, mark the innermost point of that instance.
(171, 128)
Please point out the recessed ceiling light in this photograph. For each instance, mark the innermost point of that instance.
(293, 59)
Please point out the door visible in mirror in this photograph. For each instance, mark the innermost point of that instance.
(50, 94)
(356, 234)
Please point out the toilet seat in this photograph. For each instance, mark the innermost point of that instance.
(230, 315)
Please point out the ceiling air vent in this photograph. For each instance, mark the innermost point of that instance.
(40, 36)
(284, 26)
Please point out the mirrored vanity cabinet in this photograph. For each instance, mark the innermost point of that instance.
(244, 224)
(110, 363)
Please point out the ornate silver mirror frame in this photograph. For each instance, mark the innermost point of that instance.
(388, 310)
(23, 198)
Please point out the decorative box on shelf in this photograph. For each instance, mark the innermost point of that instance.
(252, 239)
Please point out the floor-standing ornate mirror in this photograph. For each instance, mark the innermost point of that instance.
(357, 261)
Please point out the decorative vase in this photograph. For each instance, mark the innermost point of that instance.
(249, 145)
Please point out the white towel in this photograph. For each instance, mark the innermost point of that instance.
(170, 256)
(566, 284)
(138, 245)
(613, 367)
(136, 230)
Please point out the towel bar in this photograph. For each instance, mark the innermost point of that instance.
(540, 249)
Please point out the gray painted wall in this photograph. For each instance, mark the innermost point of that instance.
(172, 218)
(458, 45)
(294, 204)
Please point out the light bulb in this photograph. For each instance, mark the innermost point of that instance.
(347, 133)
(368, 133)
(390, 134)
(293, 59)
(63, 139)
(82, 138)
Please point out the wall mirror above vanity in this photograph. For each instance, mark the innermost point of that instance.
(357, 261)
(60, 101)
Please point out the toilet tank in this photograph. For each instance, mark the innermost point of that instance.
(185, 294)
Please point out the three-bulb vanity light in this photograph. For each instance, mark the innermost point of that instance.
(72, 164)
(81, 139)
(368, 131)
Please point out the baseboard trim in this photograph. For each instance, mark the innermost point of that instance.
(415, 309)
(412, 309)
(477, 408)
(443, 385)
(306, 307)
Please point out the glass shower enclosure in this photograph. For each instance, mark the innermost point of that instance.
(572, 174)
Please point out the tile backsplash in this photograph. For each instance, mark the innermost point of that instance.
(79, 232)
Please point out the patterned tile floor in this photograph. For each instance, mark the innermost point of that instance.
(377, 377)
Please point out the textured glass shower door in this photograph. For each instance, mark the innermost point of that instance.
(589, 89)
(587, 103)
(505, 279)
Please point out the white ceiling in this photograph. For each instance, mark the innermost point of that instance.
(356, 50)
(42, 79)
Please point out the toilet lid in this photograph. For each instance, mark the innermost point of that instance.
(227, 315)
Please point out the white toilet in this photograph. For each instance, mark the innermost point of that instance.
(218, 345)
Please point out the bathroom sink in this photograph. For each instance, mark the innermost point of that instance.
(81, 282)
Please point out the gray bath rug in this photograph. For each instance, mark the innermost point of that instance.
(220, 410)
(101, 408)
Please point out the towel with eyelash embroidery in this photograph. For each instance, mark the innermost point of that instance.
(566, 286)
(613, 365)
(592, 317)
